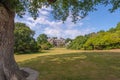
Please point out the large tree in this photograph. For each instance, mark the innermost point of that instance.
(24, 41)
(42, 38)
(77, 9)
(43, 42)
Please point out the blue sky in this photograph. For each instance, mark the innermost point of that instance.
(101, 19)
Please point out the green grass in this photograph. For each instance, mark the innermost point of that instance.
(55, 51)
(77, 66)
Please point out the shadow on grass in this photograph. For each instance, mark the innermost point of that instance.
(39, 52)
(77, 66)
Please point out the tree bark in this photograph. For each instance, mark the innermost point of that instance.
(9, 69)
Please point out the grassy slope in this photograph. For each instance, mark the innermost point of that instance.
(76, 66)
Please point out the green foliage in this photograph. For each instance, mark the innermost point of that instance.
(93, 42)
(46, 46)
(105, 40)
(77, 9)
(112, 30)
(78, 42)
(118, 26)
(101, 40)
(43, 43)
(24, 41)
(68, 40)
(42, 38)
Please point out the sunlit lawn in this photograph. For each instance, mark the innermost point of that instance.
(74, 66)
(54, 51)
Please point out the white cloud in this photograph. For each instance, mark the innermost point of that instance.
(53, 32)
(72, 33)
(44, 12)
(52, 27)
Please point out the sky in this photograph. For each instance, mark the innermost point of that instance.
(101, 19)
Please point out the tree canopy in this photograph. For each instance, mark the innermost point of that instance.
(78, 42)
(77, 9)
(101, 40)
(24, 41)
(42, 38)
(43, 42)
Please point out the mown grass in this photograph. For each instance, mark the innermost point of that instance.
(77, 66)
(55, 51)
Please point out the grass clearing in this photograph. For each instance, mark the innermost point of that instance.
(76, 65)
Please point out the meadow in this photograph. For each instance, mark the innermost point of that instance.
(63, 64)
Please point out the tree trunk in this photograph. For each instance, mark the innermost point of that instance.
(9, 69)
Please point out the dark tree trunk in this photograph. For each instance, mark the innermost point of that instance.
(9, 69)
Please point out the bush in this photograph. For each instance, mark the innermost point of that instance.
(46, 46)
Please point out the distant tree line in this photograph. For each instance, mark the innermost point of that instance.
(26, 43)
(98, 41)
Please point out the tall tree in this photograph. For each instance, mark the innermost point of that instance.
(24, 41)
(61, 10)
(42, 38)
(43, 42)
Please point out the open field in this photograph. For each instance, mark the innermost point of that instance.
(56, 51)
(75, 65)
(53, 51)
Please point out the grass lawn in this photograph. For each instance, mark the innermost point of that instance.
(55, 51)
(77, 65)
